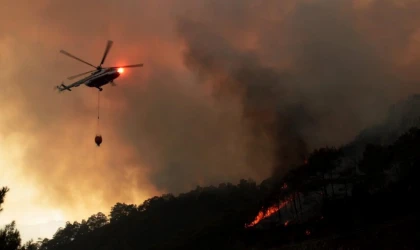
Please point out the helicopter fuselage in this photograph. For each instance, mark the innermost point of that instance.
(100, 79)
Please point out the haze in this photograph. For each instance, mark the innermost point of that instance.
(225, 85)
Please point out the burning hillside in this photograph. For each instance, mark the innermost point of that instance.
(267, 213)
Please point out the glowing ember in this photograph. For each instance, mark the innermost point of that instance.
(284, 186)
(308, 232)
(286, 223)
(262, 215)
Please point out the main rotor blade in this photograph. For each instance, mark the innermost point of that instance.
(128, 66)
(78, 59)
(75, 76)
(107, 49)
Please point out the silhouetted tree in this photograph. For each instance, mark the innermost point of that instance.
(121, 210)
(375, 160)
(96, 221)
(345, 177)
(3, 193)
(9, 235)
(323, 161)
(31, 245)
(406, 156)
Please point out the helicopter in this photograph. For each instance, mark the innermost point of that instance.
(98, 77)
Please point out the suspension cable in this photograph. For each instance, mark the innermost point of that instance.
(97, 128)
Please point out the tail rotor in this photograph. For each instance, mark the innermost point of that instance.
(57, 89)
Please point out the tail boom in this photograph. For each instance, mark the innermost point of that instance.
(63, 87)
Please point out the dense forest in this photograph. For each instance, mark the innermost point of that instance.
(360, 195)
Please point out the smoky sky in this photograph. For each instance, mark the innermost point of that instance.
(229, 90)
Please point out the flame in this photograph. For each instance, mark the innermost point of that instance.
(284, 186)
(262, 215)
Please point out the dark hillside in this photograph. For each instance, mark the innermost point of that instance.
(338, 198)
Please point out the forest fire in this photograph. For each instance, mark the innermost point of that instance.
(262, 215)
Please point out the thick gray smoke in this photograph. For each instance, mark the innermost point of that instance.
(335, 86)
(291, 77)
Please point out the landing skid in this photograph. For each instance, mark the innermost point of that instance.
(100, 89)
